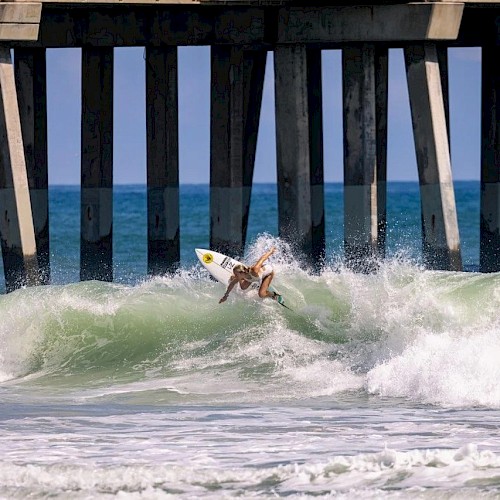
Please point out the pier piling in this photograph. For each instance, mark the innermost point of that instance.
(489, 243)
(360, 156)
(299, 145)
(17, 233)
(162, 125)
(96, 240)
(441, 243)
(237, 80)
(31, 82)
(381, 106)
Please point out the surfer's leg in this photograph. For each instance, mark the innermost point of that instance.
(263, 290)
(244, 284)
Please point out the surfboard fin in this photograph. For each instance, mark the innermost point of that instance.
(280, 300)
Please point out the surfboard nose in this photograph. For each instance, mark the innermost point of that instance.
(200, 252)
(204, 256)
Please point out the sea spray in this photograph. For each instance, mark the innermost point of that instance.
(401, 332)
(445, 369)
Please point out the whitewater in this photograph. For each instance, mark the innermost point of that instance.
(375, 386)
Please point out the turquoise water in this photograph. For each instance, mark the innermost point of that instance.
(130, 240)
(375, 386)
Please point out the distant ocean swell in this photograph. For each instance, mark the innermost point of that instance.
(403, 332)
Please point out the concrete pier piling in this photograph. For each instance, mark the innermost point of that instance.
(254, 71)
(162, 125)
(16, 221)
(381, 106)
(441, 243)
(489, 239)
(365, 98)
(237, 79)
(299, 136)
(31, 83)
(442, 56)
(315, 104)
(360, 157)
(96, 236)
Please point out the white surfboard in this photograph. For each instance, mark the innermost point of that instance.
(220, 266)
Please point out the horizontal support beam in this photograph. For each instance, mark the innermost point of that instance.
(25, 12)
(19, 21)
(18, 32)
(145, 25)
(119, 25)
(379, 23)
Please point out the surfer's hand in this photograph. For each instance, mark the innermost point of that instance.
(223, 299)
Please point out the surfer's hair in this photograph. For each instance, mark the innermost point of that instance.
(240, 268)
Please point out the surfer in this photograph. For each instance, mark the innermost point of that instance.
(246, 275)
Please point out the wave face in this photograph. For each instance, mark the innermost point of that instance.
(432, 337)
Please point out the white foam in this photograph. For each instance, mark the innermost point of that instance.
(382, 472)
(430, 336)
(445, 369)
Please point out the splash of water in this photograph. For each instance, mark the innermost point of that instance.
(402, 332)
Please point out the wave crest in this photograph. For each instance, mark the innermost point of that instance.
(402, 332)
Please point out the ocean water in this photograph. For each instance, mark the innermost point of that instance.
(374, 386)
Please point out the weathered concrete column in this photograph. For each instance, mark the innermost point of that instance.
(237, 80)
(16, 222)
(315, 107)
(299, 143)
(360, 157)
(381, 104)
(31, 83)
(442, 54)
(441, 242)
(489, 242)
(254, 67)
(96, 241)
(162, 123)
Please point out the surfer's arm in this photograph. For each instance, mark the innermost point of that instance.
(261, 261)
(232, 282)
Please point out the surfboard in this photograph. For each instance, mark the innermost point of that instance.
(220, 267)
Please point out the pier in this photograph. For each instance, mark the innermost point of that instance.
(240, 34)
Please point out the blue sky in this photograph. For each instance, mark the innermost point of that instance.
(64, 88)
